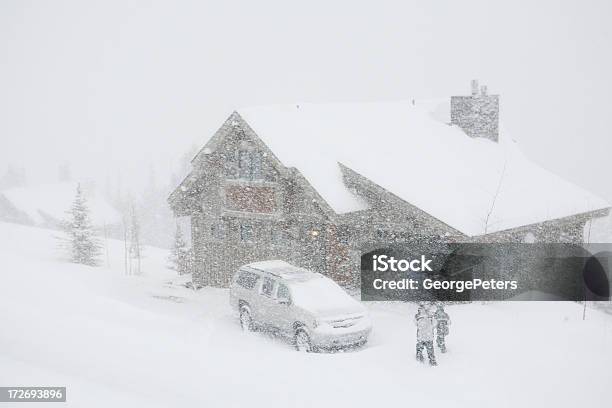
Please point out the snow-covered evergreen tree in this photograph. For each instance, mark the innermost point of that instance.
(83, 246)
(180, 254)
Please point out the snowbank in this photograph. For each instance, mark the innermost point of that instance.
(140, 341)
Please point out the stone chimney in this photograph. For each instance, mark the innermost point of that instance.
(478, 114)
(474, 87)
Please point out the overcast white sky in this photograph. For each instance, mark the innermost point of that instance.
(118, 86)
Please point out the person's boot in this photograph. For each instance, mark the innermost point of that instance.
(433, 363)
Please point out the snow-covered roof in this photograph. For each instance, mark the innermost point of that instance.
(47, 203)
(411, 151)
(598, 230)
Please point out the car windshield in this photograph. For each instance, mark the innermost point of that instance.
(323, 295)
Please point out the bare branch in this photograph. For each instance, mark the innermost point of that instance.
(501, 179)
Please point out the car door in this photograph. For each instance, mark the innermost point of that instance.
(282, 309)
(267, 302)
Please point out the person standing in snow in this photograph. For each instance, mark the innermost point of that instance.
(425, 334)
(442, 323)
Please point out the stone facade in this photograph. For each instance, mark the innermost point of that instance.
(246, 206)
(478, 114)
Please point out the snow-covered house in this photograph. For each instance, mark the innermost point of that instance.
(320, 185)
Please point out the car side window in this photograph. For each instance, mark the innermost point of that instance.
(282, 292)
(247, 280)
(267, 286)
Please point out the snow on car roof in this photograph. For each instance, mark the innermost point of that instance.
(284, 270)
(409, 149)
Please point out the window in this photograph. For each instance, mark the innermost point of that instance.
(244, 164)
(230, 169)
(270, 173)
(382, 234)
(247, 280)
(250, 164)
(275, 234)
(246, 232)
(282, 292)
(343, 234)
(267, 286)
(256, 172)
(217, 230)
(250, 198)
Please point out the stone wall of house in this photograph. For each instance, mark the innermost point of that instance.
(248, 208)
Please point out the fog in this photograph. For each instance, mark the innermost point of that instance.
(117, 88)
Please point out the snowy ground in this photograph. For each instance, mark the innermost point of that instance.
(128, 341)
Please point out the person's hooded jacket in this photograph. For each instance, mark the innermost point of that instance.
(443, 321)
(425, 325)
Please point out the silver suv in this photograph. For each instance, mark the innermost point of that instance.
(305, 306)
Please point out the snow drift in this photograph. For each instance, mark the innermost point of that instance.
(141, 341)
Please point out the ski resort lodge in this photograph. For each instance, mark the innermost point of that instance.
(319, 185)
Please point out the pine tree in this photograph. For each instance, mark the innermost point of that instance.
(83, 245)
(180, 254)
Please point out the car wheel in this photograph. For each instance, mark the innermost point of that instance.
(246, 321)
(302, 341)
(362, 343)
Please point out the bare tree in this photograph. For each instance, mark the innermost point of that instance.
(497, 191)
